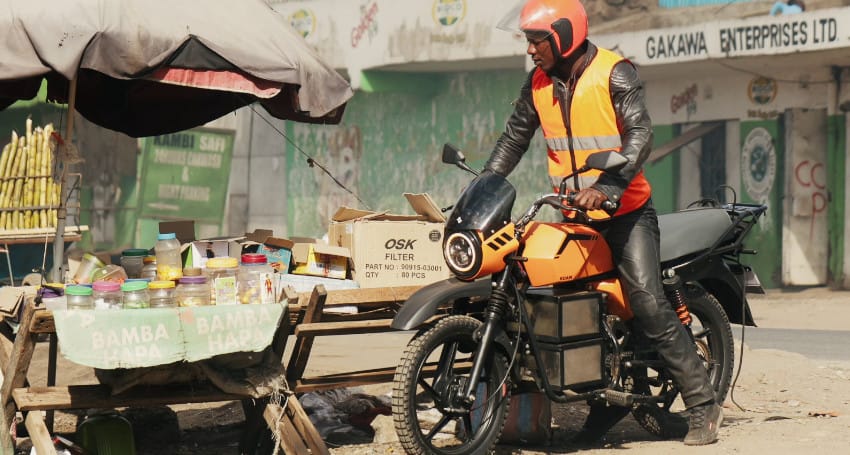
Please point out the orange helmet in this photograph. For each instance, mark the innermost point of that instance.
(564, 20)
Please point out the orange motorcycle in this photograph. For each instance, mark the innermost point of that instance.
(540, 303)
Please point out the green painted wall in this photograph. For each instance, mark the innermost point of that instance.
(390, 143)
(836, 182)
(766, 237)
(663, 175)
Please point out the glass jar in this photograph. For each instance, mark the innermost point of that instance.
(87, 266)
(255, 279)
(149, 268)
(192, 291)
(132, 260)
(222, 273)
(162, 294)
(107, 295)
(136, 295)
(78, 297)
(169, 265)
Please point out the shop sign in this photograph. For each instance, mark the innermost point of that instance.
(758, 164)
(449, 12)
(763, 35)
(368, 26)
(185, 175)
(762, 90)
(303, 21)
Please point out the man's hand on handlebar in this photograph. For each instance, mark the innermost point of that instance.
(589, 199)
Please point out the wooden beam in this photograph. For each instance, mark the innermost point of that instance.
(39, 435)
(364, 377)
(682, 140)
(15, 374)
(305, 427)
(284, 431)
(348, 327)
(304, 344)
(100, 396)
(43, 322)
(364, 297)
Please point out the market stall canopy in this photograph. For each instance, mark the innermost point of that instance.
(150, 67)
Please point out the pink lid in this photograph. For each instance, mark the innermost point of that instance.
(106, 286)
(254, 258)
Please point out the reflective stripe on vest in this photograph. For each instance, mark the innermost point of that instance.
(593, 127)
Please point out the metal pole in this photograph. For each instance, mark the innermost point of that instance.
(58, 273)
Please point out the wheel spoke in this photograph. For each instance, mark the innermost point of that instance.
(437, 427)
(429, 390)
(444, 366)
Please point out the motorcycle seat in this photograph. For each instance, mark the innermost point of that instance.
(691, 231)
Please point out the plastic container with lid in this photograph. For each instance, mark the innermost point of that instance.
(53, 296)
(149, 268)
(162, 294)
(110, 272)
(169, 265)
(132, 259)
(222, 273)
(136, 295)
(255, 279)
(107, 295)
(192, 291)
(78, 297)
(87, 266)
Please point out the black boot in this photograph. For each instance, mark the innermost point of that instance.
(601, 418)
(704, 422)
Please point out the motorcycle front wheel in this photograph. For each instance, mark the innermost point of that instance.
(429, 416)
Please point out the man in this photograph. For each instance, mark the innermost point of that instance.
(588, 99)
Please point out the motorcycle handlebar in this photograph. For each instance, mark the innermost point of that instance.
(607, 206)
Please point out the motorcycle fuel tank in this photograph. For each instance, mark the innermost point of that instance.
(563, 252)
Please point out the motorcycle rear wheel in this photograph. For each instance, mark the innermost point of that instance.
(428, 417)
(715, 346)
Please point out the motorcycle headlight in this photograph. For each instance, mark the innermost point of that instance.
(462, 251)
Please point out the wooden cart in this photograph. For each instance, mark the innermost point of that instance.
(295, 431)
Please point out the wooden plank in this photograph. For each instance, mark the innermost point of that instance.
(364, 297)
(99, 396)
(364, 377)
(343, 327)
(348, 327)
(43, 322)
(305, 427)
(15, 375)
(283, 428)
(303, 344)
(39, 435)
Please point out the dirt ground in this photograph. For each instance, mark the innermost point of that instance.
(782, 403)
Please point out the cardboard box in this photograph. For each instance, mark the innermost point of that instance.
(278, 251)
(393, 250)
(320, 259)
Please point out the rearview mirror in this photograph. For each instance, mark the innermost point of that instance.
(609, 160)
(452, 155)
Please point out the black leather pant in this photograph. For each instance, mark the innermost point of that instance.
(634, 241)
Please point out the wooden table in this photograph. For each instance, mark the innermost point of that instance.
(305, 313)
(297, 432)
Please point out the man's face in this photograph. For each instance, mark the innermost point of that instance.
(540, 49)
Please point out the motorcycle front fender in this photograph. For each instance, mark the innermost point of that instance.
(424, 303)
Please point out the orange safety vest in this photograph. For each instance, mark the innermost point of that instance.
(593, 128)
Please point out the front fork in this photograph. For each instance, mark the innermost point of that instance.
(494, 316)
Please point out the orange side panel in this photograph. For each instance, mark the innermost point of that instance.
(616, 301)
(562, 252)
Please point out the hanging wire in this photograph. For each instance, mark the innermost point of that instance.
(310, 160)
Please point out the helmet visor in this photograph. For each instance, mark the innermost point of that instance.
(524, 17)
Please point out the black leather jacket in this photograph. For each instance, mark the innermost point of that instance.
(632, 117)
